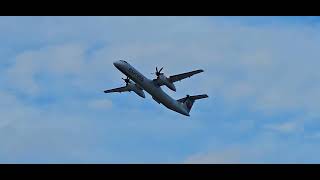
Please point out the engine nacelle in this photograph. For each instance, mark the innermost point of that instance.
(137, 90)
(165, 81)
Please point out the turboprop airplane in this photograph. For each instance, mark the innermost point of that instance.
(138, 83)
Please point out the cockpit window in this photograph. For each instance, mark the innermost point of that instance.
(124, 61)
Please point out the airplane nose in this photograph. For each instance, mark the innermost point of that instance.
(116, 64)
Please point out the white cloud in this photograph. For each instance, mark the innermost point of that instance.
(58, 61)
(100, 104)
(271, 68)
(315, 135)
(287, 127)
(262, 148)
(223, 157)
(255, 150)
(38, 135)
(257, 63)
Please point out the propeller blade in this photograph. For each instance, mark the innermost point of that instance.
(127, 80)
(187, 97)
(160, 69)
(158, 72)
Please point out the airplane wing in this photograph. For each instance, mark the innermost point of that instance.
(120, 89)
(179, 77)
(193, 98)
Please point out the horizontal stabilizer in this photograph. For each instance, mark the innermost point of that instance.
(199, 97)
(189, 100)
(193, 98)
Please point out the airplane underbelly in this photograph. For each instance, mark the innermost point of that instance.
(156, 100)
(159, 96)
(164, 99)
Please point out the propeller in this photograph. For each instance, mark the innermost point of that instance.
(158, 72)
(187, 97)
(127, 80)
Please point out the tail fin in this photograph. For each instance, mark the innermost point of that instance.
(188, 101)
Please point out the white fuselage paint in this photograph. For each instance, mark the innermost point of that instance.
(151, 87)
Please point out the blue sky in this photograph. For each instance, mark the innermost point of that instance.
(261, 75)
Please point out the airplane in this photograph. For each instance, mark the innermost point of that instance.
(138, 83)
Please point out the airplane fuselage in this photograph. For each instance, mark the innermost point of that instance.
(150, 87)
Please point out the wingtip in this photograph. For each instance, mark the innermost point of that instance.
(199, 71)
(205, 96)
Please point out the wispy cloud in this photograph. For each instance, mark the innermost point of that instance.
(286, 127)
(225, 157)
(55, 71)
(100, 104)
